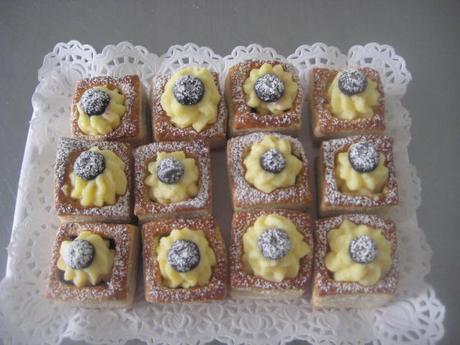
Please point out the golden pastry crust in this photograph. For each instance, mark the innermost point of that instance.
(70, 210)
(248, 285)
(245, 196)
(155, 290)
(133, 127)
(164, 130)
(343, 294)
(324, 124)
(243, 119)
(331, 200)
(119, 290)
(146, 209)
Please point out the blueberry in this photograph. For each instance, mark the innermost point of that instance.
(269, 88)
(94, 101)
(363, 250)
(363, 157)
(352, 82)
(184, 255)
(188, 90)
(89, 165)
(79, 254)
(170, 170)
(273, 161)
(274, 243)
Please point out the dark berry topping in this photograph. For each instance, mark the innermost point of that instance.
(273, 161)
(94, 101)
(363, 157)
(269, 88)
(363, 250)
(274, 243)
(352, 82)
(89, 165)
(184, 255)
(79, 254)
(170, 170)
(188, 90)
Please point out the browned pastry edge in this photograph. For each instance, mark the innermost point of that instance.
(325, 286)
(164, 130)
(155, 291)
(70, 210)
(201, 204)
(116, 292)
(331, 200)
(243, 119)
(253, 285)
(133, 126)
(324, 124)
(246, 196)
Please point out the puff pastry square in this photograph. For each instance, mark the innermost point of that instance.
(324, 124)
(133, 127)
(246, 196)
(245, 285)
(155, 290)
(146, 209)
(119, 290)
(328, 293)
(331, 201)
(244, 119)
(164, 130)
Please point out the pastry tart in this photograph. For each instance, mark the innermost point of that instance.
(271, 254)
(110, 108)
(94, 265)
(346, 102)
(356, 174)
(93, 181)
(172, 179)
(356, 262)
(263, 95)
(268, 170)
(184, 260)
(189, 105)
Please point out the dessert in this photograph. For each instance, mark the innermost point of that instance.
(94, 265)
(184, 260)
(188, 105)
(172, 179)
(356, 264)
(356, 174)
(110, 108)
(93, 181)
(347, 102)
(271, 254)
(263, 96)
(268, 170)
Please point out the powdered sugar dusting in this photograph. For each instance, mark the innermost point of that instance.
(245, 195)
(325, 284)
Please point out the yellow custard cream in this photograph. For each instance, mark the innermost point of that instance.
(109, 119)
(359, 106)
(358, 253)
(85, 266)
(283, 259)
(197, 112)
(175, 268)
(277, 153)
(286, 96)
(105, 187)
(353, 182)
(184, 188)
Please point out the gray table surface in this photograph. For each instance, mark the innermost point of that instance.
(425, 33)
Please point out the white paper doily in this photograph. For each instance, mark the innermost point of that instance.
(415, 317)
